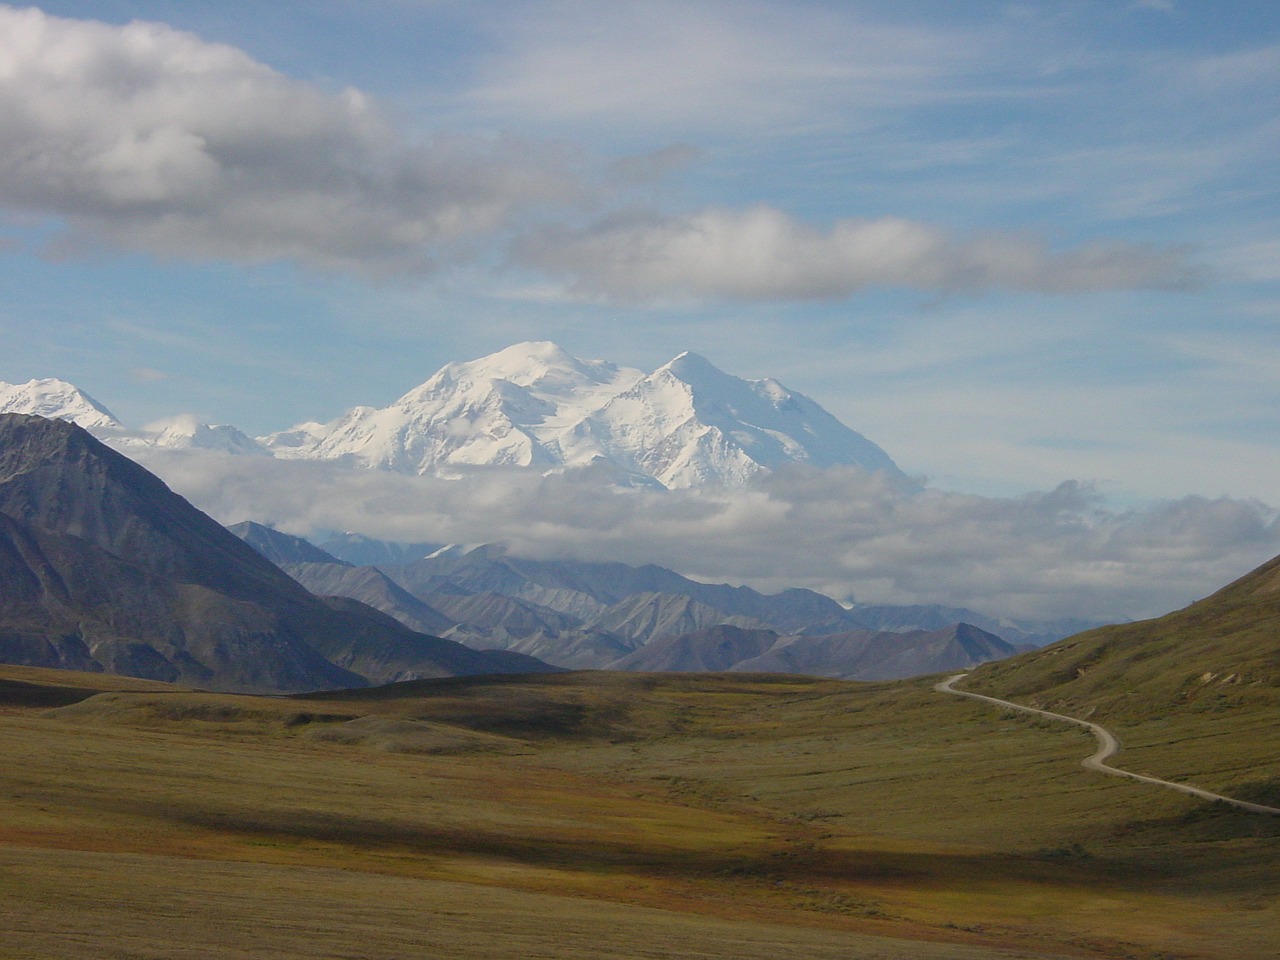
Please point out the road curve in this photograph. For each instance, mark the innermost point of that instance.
(1108, 745)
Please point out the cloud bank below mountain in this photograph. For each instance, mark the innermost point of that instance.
(839, 531)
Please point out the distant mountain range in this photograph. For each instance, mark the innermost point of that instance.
(533, 406)
(583, 615)
(102, 567)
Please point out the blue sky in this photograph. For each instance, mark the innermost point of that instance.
(1013, 243)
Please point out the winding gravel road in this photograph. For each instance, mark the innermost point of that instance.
(1108, 745)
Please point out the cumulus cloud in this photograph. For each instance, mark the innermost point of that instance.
(764, 253)
(146, 137)
(840, 531)
(143, 137)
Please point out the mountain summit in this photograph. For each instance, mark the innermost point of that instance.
(534, 405)
(56, 399)
(531, 406)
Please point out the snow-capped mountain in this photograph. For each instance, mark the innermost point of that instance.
(688, 423)
(518, 407)
(534, 405)
(56, 400)
(186, 432)
(59, 400)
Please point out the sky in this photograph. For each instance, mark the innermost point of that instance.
(1017, 244)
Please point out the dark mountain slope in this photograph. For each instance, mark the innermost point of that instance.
(376, 645)
(715, 649)
(56, 476)
(364, 551)
(281, 548)
(67, 603)
(650, 617)
(327, 576)
(371, 586)
(142, 580)
(854, 655)
(488, 569)
(871, 655)
(1221, 651)
(904, 618)
(499, 614)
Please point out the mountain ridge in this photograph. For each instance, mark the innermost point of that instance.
(532, 406)
(616, 617)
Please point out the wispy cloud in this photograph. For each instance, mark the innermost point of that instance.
(148, 375)
(714, 66)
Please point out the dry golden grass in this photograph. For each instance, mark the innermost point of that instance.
(603, 815)
(128, 906)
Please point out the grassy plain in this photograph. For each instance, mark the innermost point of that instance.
(607, 815)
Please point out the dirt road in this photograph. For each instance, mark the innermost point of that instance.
(1108, 746)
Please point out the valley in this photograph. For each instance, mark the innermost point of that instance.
(588, 813)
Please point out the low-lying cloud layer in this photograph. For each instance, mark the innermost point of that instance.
(839, 531)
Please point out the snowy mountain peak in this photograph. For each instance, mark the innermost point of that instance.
(187, 432)
(540, 366)
(536, 362)
(689, 366)
(691, 424)
(56, 400)
(59, 400)
(535, 405)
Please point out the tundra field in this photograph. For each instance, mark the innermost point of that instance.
(618, 815)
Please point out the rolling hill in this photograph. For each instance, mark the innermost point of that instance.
(1219, 651)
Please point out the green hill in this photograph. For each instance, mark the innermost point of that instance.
(1193, 695)
(1221, 651)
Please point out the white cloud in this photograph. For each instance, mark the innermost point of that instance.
(145, 137)
(840, 531)
(764, 253)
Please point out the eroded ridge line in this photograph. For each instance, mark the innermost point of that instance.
(1108, 745)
